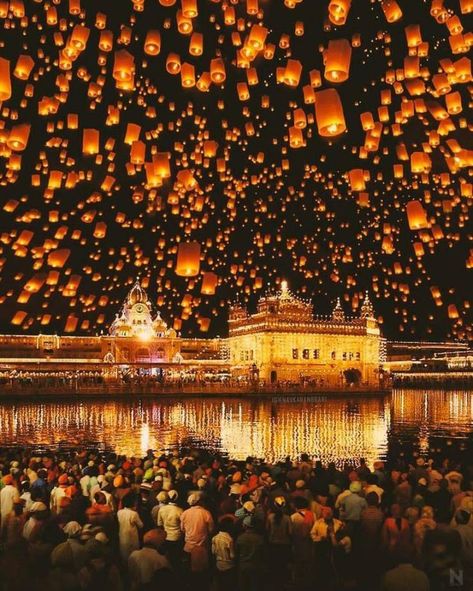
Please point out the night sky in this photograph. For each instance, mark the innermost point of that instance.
(261, 209)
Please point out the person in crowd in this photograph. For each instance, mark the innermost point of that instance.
(250, 556)
(89, 520)
(129, 526)
(223, 551)
(144, 563)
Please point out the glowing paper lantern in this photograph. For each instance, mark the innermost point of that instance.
(416, 215)
(123, 66)
(18, 138)
(24, 66)
(187, 75)
(338, 11)
(153, 42)
(188, 259)
(5, 80)
(392, 10)
(189, 8)
(90, 141)
(209, 283)
(58, 258)
(337, 59)
(329, 113)
(217, 70)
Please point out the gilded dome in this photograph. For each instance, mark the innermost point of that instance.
(137, 295)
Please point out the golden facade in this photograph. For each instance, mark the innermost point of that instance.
(283, 341)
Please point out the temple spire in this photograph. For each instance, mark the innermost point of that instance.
(338, 314)
(367, 310)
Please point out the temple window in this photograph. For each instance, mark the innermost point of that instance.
(334, 355)
(295, 353)
(316, 353)
(344, 356)
(305, 354)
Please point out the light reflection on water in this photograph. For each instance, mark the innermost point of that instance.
(332, 429)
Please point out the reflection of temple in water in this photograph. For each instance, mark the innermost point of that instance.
(332, 429)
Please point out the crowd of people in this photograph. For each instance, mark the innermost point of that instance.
(84, 521)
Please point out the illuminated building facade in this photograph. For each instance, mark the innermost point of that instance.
(282, 341)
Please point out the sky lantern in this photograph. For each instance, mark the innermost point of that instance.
(392, 10)
(90, 141)
(189, 8)
(356, 178)
(453, 312)
(413, 35)
(453, 102)
(416, 215)
(58, 258)
(209, 283)
(217, 70)
(106, 40)
(5, 80)
(123, 65)
(466, 6)
(152, 42)
(187, 75)
(329, 113)
(188, 259)
(23, 67)
(292, 73)
(338, 11)
(337, 59)
(196, 44)
(18, 138)
(296, 139)
(79, 37)
(137, 152)
(257, 37)
(173, 63)
(184, 24)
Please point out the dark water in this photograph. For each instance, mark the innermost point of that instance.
(329, 428)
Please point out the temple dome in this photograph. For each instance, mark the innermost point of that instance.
(137, 295)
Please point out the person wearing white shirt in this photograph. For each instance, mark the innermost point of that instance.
(9, 495)
(223, 549)
(129, 524)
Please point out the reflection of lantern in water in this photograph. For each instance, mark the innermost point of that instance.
(329, 113)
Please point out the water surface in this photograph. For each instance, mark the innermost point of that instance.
(336, 429)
